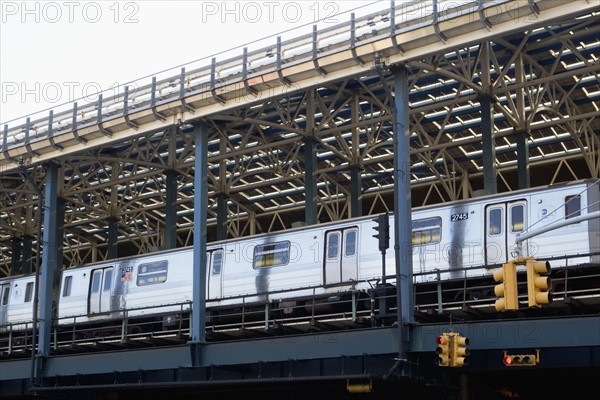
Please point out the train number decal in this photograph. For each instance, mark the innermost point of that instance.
(459, 217)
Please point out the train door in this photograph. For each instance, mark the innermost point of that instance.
(341, 255)
(504, 221)
(100, 290)
(214, 282)
(4, 293)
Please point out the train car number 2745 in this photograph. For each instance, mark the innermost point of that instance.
(459, 217)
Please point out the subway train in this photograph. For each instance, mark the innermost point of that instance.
(456, 240)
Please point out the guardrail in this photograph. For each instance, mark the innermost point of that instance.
(397, 29)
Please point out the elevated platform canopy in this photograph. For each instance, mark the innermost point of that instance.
(535, 61)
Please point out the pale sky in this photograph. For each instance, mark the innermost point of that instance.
(56, 52)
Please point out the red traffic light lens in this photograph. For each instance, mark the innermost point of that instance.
(508, 360)
(439, 340)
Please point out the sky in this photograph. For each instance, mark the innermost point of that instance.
(55, 52)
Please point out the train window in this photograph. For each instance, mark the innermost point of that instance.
(572, 206)
(333, 245)
(350, 249)
(426, 231)
(5, 295)
(67, 286)
(495, 222)
(107, 279)
(217, 262)
(152, 273)
(517, 218)
(96, 277)
(28, 292)
(271, 255)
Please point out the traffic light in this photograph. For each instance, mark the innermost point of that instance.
(506, 290)
(383, 231)
(459, 351)
(451, 350)
(538, 285)
(442, 351)
(521, 360)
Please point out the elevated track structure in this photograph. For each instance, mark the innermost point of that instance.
(500, 95)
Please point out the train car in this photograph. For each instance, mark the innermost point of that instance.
(16, 302)
(324, 262)
(104, 290)
(461, 239)
(309, 262)
(458, 237)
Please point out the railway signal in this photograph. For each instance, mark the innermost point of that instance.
(521, 360)
(538, 284)
(383, 231)
(506, 290)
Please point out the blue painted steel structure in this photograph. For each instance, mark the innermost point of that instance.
(347, 358)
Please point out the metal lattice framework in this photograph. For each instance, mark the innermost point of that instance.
(543, 81)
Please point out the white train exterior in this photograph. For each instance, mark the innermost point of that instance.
(465, 238)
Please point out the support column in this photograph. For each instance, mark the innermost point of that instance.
(355, 192)
(113, 234)
(198, 327)
(355, 170)
(403, 212)
(487, 122)
(521, 130)
(489, 151)
(465, 185)
(523, 160)
(15, 261)
(60, 231)
(310, 162)
(27, 254)
(49, 262)
(222, 196)
(221, 216)
(310, 181)
(171, 210)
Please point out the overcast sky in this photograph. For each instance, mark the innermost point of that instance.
(55, 52)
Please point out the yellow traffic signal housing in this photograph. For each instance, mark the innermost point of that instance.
(506, 291)
(459, 351)
(442, 351)
(521, 360)
(538, 285)
(451, 350)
